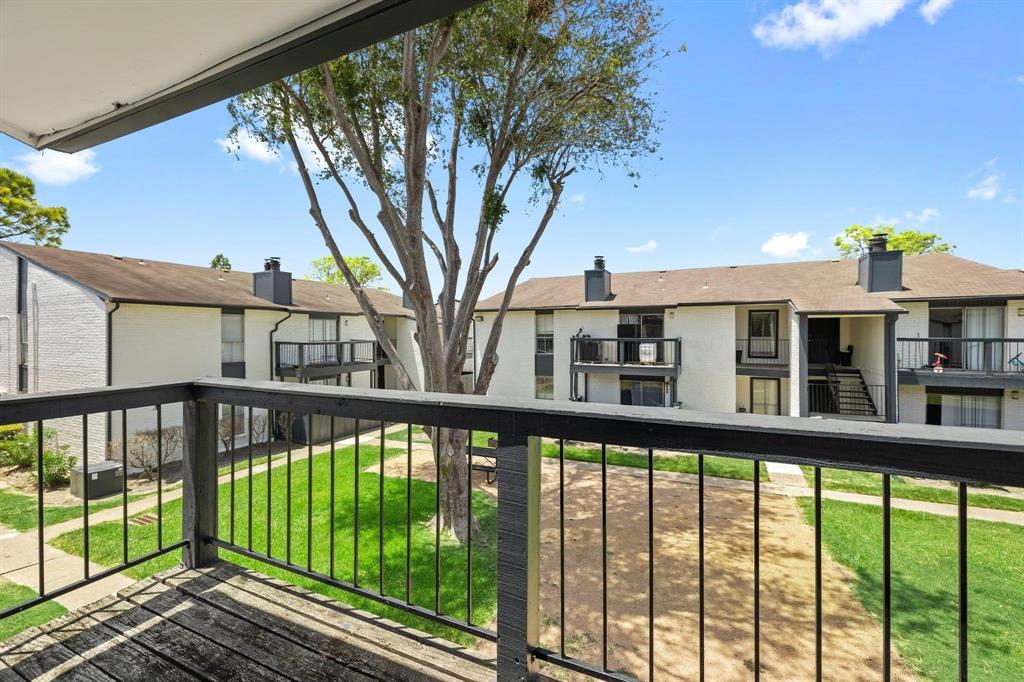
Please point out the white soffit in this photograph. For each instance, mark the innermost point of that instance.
(76, 73)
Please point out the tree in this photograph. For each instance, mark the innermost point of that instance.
(514, 91)
(365, 271)
(853, 242)
(22, 217)
(220, 262)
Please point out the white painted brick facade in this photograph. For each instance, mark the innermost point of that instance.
(708, 361)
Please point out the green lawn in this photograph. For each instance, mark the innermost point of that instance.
(18, 511)
(11, 595)
(871, 484)
(722, 467)
(105, 539)
(924, 585)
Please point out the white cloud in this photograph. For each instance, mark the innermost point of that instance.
(248, 145)
(989, 187)
(578, 199)
(646, 247)
(1020, 79)
(57, 168)
(933, 9)
(785, 244)
(924, 216)
(824, 23)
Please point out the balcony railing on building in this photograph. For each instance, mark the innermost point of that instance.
(216, 520)
(937, 355)
(314, 359)
(658, 355)
(762, 351)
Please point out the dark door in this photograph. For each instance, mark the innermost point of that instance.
(933, 410)
(823, 340)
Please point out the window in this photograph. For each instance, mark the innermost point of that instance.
(980, 411)
(643, 392)
(545, 388)
(971, 322)
(545, 332)
(764, 333)
(225, 422)
(323, 329)
(764, 396)
(232, 337)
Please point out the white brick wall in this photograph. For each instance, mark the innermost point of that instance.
(8, 322)
(514, 376)
(794, 366)
(1013, 410)
(595, 323)
(912, 404)
(867, 335)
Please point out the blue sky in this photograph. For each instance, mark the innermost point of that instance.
(783, 123)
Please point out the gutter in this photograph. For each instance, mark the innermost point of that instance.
(110, 358)
(271, 340)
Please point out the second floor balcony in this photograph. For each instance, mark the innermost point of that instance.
(315, 359)
(655, 356)
(762, 351)
(941, 360)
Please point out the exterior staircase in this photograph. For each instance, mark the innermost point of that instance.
(850, 392)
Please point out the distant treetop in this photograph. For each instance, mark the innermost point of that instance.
(853, 242)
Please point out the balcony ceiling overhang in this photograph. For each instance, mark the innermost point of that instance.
(77, 73)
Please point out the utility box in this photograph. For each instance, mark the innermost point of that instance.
(105, 478)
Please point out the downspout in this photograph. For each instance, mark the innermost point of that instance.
(110, 358)
(10, 351)
(272, 332)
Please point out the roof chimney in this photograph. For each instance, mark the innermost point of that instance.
(597, 283)
(272, 284)
(880, 269)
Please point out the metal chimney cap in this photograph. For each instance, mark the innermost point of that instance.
(599, 262)
(878, 242)
(272, 263)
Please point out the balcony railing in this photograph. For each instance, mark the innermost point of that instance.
(851, 400)
(981, 356)
(298, 358)
(208, 528)
(656, 352)
(762, 351)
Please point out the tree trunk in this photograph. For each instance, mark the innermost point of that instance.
(455, 482)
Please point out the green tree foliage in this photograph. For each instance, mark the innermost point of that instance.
(220, 262)
(364, 270)
(22, 217)
(853, 242)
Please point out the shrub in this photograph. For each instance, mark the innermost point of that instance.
(18, 451)
(56, 468)
(10, 432)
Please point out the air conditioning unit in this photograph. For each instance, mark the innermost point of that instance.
(648, 353)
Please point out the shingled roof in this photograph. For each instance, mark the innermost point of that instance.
(810, 286)
(137, 280)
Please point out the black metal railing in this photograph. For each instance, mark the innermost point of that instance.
(663, 352)
(300, 356)
(864, 400)
(987, 457)
(762, 351)
(983, 356)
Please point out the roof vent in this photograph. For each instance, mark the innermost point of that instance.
(597, 283)
(272, 284)
(878, 242)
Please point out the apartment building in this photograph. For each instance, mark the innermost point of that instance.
(927, 338)
(78, 320)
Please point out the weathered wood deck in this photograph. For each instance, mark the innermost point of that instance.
(227, 623)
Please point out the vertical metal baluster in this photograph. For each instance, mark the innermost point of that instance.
(288, 491)
(333, 475)
(408, 515)
(249, 491)
(561, 546)
(380, 516)
(355, 512)
(886, 576)
(159, 477)
(437, 520)
(39, 505)
(817, 573)
(85, 493)
(961, 518)
(700, 545)
(271, 427)
(757, 570)
(231, 463)
(469, 531)
(309, 495)
(604, 557)
(124, 485)
(650, 564)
